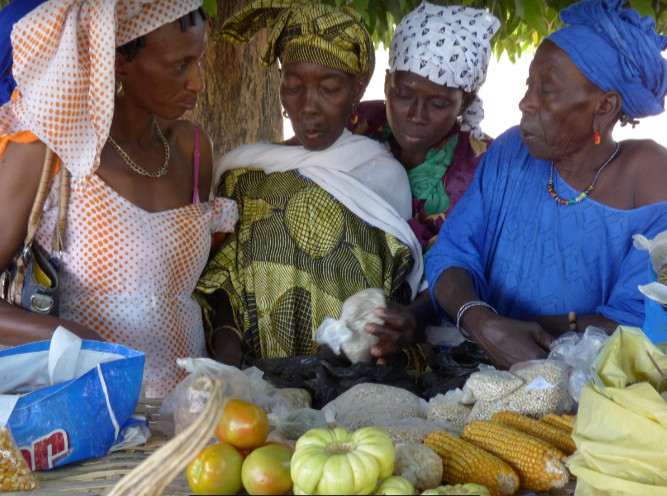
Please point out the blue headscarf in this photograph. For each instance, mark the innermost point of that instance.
(617, 50)
(9, 15)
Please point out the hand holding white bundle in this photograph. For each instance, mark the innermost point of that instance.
(348, 334)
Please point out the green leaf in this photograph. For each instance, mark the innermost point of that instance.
(395, 9)
(360, 6)
(535, 16)
(211, 8)
(644, 7)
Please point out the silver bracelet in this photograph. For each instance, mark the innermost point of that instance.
(464, 308)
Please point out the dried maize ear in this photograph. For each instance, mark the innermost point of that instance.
(553, 435)
(569, 418)
(464, 462)
(538, 463)
(558, 421)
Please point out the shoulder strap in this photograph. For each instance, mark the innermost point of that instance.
(42, 192)
(63, 201)
(195, 194)
(45, 182)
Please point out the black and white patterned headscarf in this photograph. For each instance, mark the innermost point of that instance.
(449, 45)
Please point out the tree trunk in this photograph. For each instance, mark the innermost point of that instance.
(241, 101)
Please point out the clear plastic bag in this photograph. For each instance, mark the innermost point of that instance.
(15, 475)
(419, 464)
(294, 423)
(272, 398)
(363, 404)
(657, 248)
(449, 409)
(409, 430)
(489, 384)
(184, 404)
(578, 350)
(545, 390)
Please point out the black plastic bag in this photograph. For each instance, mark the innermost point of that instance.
(326, 376)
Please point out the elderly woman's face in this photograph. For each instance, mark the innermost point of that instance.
(165, 77)
(559, 105)
(420, 112)
(318, 101)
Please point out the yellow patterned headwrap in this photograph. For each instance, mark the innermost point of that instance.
(303, 31)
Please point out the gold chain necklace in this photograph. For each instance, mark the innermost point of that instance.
(159, 173)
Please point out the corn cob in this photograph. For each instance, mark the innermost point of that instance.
(558, 421)
(569, 418)
(553, 435)
(537, 462)
(464, 462)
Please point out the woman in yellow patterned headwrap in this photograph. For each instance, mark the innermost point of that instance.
(319, 220)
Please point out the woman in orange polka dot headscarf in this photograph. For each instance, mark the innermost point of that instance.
(103, 84)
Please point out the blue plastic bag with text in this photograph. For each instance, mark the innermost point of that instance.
(56, 422)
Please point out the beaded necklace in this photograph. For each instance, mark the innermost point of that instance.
(585, 193)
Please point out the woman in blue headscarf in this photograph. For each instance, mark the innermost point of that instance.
(8, 17)
(541, 242)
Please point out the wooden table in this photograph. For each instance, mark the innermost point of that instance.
(98, 475)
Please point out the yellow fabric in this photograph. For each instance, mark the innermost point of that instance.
(303, 31)
(621, 426)
(22, 137)
(40, 275)
(297, 254)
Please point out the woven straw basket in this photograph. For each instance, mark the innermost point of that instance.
(153, 475)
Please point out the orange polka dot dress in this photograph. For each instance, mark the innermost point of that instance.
(125, 272)
(129, 274)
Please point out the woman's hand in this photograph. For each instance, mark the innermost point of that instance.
(396, 333)
(508, 341)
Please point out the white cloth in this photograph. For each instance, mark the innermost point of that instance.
(64, 56)
(449, 45)
(357, 171)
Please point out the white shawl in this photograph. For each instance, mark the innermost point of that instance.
(357, 171)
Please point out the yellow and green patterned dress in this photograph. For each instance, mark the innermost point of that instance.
(295, 256)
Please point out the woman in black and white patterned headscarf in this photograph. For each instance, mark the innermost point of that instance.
(438, 58)
(448, 45)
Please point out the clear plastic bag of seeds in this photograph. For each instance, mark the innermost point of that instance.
(15, 474)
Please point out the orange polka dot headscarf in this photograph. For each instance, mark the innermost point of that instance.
(64, 54)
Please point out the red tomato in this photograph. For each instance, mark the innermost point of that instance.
(216, 470)
(243, 424)
(266, 470)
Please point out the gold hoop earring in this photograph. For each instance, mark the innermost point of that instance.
(120, 91)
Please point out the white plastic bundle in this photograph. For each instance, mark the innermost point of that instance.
(657, 248)
(347, 333)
